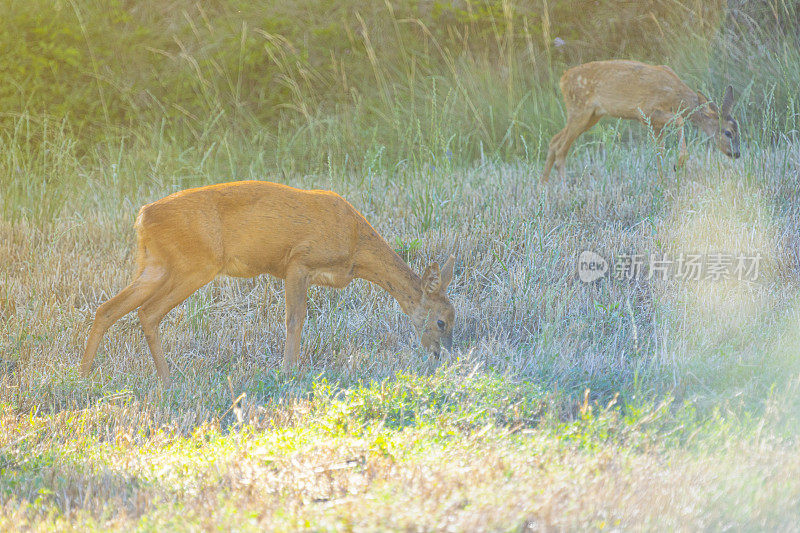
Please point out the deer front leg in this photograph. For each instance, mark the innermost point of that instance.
(658, 132)
(577, 124)
(683, 153)
(296, 306)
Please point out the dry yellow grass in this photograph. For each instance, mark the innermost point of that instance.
(371, 435)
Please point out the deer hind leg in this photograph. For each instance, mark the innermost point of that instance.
(153, 311)
(146, 283)
(296, 306)
(658, 132)
(551, 155)
(577, 123)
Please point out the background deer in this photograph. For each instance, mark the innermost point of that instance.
(637, 91)
(248, 228)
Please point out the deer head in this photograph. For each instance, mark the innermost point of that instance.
(720, 124)
(433, 318)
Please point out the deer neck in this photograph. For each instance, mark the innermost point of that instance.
(378, 263)
(699, 118)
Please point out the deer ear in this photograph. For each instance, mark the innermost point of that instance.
(431, 278)
(708, 108)
(447, 272)
(727, 101)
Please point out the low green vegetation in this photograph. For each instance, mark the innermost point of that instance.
(459, 449)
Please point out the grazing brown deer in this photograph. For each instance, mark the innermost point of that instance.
(637, 91)
(248, 228)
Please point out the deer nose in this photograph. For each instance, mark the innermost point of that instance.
(448, 343)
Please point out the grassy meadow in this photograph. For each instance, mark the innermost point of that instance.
(645, 404)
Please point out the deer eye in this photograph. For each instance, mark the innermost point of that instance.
(440, 323)
(728, 134)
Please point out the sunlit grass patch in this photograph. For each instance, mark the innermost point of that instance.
(480, 451)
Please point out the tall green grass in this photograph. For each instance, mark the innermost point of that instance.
(39, 167)
(351, 88)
